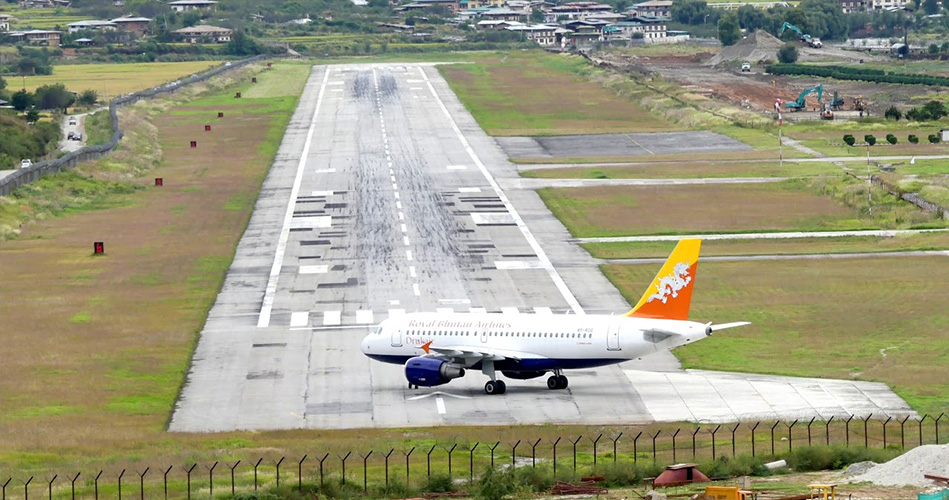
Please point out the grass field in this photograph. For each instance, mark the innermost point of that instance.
(686, 169)
(44, 18)
(811, 320)
(536, 93)
(111, 80)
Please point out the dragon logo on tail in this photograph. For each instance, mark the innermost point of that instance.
(670, 285)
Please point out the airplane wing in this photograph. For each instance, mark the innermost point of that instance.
(469, 355)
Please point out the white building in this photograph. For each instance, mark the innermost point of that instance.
(183, 5)
(4, 22)
(91, 26)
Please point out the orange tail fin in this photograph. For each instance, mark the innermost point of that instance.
(670, 294)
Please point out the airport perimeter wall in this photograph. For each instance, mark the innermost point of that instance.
(33, 173)
(385, 471)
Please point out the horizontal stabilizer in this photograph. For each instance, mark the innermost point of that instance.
(715, 328)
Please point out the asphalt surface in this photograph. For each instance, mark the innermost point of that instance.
(879, 233)
(385, 198)
(567, 146)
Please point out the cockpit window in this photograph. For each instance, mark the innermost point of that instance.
(377, 330)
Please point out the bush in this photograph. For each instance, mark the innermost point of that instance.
(815, 458)
(787, 53)
(440, 483)
(890, 138)
(913, 139)
(893, 112)
(933, 138)
(849, 139)
(494, 485)
(869, 139)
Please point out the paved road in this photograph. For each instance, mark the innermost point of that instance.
(882, 233)
(809, 256)
(383, 199)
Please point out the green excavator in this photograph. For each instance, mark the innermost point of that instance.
(801, 102)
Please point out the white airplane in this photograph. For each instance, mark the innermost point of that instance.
(436, 348)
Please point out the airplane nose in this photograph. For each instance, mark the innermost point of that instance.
(364, 345)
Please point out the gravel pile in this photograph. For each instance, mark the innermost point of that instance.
(908, 468)
(757, 47)
(859, 468)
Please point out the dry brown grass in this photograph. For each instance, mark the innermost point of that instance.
(630, 210)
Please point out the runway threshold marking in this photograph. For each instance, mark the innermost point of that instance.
(640, 145)
(267, 305)
(545, 262)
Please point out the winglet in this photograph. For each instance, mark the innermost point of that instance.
(670, 294)
(426, 345)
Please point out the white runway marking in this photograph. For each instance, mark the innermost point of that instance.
(415, 289)
(440, 404)
(398, 205)
(510, 310)
(325, 171)
(335, 82)
(267, 305)
(456, 167)
(396, 196)
(513, 265)
(478, 310)
(482, 218)
(395, 186)
(401, 216)
(543, 310)
(412, 271)
(408, 255)
(404, 228)
(364, 317)
(405, 239)
(299, 318)
(317, 269)
(319, 221)
(332, 318)
(454, 301)
(469, 190)
(545, 261)
(321, 193)
(444, 310)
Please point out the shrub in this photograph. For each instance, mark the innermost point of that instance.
(933, 138)
(893, 112)
(787, 53)
(890, 138)
(869, 139)
(849, 139)
(494, 485)
(440, 483)
(913, 139)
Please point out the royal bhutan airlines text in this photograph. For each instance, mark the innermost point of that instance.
(485, 325)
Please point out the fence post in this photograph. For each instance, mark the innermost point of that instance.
(277, 465)
(790, 435)
(325, 456)
(188, 471)
(492, 453)
(581, 437)
(471, 461)
(141, 484)
(614, 446)
(772, 435)
(534, 453)
(555, 457)
(96, 484)
(937, 426)
(595, 441)
(211, 480)
(51, 486)
(4, 486)
(387, 467)
(450, 451)
(847, 429)
(713, 432)
(827, 430)
(120, 483)
(26, 488)
(428, 460)
(903, 432)
(261, 459)
(514, 452)
(866, 435)
(674, 434)
(697, 429)
(299, 473)
(407, 455)
(809, 430)
(920, 427)
(635, 449)
(232, 475)
(343, 460)
(733, 441)
(884, 429)
(753, 438)
(365, 472)
(73, 487)
(654, 445)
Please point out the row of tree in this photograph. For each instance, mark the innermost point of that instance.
(51, 97)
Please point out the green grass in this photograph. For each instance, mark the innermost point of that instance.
(111, 80)
(98, 127)
(685, 170)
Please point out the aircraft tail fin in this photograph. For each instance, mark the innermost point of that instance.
(670, 294)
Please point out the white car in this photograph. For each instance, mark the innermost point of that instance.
(72, 120)
(746, 67)
(26, 162)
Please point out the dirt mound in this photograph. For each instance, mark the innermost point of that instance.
(757, 47)
(909, 467)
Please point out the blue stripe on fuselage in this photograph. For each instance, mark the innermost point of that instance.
(543, 364)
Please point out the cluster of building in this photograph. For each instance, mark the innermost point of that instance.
(575, 23)
(140, 26)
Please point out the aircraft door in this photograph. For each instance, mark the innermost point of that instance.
(612, 336)
(396, 337)
(484, 336)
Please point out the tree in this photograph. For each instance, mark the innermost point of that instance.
(893, 112)
(88, 97)
(242, 45)
(689, 11)
(935, 110)
(787, 54)
(32, 116)
(728, 31)
(21, 99)
(933, 48)
(931, 7)
(54, 97)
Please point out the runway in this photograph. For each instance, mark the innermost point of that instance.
(384, 199)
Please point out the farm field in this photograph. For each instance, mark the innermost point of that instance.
(810, 319)
(111, 80)
(788, 246)
(536, 93)
(43, 18)
(685, 169)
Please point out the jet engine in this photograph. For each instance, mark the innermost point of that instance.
(428, 372)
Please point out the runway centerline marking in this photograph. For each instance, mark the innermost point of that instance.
(440, 405)
(544, 260)
(267, 305)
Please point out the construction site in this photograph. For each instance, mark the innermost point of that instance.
(721, 77)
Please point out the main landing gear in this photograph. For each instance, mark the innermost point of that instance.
(557, 381)
(495, 387)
